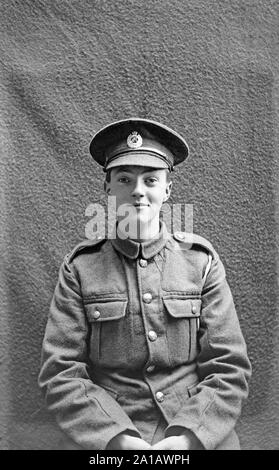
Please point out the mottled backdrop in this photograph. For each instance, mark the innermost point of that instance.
(207, 68)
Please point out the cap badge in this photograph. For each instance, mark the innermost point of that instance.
(134, 140)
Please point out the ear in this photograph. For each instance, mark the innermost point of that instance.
(168, 191)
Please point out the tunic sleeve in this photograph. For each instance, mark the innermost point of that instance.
(84, 411)
(222, 364)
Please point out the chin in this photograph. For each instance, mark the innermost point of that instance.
(140, 219)
(134, 222)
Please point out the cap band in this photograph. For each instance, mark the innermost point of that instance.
(147, 151)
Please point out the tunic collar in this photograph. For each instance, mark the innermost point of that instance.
(147, 249)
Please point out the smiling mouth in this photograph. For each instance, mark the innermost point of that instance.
(140, 205)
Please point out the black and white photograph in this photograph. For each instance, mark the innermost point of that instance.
(139, 228)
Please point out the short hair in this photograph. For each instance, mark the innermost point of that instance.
(108, 175)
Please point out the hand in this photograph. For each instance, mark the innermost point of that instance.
(184, 440)
(125, 441)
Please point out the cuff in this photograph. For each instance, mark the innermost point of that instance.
(114, 430)
(128, 432)
(176, 430)
(201, 433)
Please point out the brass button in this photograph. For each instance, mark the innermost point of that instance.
(150, 369)
(143, 263)
(152, 335)
(147, 298)
(194, 309)
(96, 314)
(160, 396)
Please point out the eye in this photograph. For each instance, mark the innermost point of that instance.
(123, 179)
(151, 180)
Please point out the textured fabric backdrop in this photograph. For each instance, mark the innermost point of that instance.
(207, 68)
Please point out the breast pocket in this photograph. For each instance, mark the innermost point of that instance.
(182, 325)
(109, 332)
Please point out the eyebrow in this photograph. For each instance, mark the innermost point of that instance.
(127, 170)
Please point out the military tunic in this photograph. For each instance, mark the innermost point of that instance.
(144, 337)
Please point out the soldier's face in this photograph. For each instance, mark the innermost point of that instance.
(140, 191)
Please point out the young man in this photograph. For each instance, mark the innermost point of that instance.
(143, 348)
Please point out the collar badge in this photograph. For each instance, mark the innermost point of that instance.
(134, 140)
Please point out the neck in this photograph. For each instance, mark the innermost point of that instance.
(147, 231)
(141, 232)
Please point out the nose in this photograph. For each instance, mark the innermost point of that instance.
(138, 190)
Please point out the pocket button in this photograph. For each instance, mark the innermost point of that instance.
(96, 315)
(194, 309)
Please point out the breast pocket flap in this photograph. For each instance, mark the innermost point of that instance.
(106, 311)
(183, 308)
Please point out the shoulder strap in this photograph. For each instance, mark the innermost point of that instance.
(192, 239)
(81, 246)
